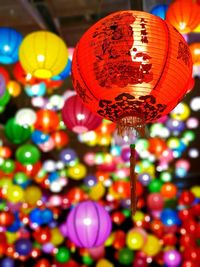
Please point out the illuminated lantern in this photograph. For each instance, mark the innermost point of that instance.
(125, 68)
(159, 10)
(60, 139)
(34, 90)
(9, 45)
(183, 15)
(123, 76)
(47, 120)
(17, 134)
(195, 51)
(14, 88)
(77, 117)
(43, 54)
(2, 85)
(88, 224)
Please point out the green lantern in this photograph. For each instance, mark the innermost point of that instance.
(5, 98)
(27, 154)
(126, 256)
(8, 166)
(62, 255)
(16, 133)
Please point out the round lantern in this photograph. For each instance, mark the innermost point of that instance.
(47, 120)
(159, 10)
(43, 54)
(195, 51)
(126, 66)
(77, 117)
(88, 224)
(9, 45)
(2, 85)
(184, 15)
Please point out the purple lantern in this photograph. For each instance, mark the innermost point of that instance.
(88, 224)
(172, 258)
(2, 85)
(77, 117)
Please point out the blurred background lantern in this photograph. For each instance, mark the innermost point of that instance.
(65, 73)
(16, 133)
(159, 10)
(77, 117)
(43, 54)
(47, 120)
(195, 52)
(183, 15)
(88, 224)
(9, 45)
(2, 85)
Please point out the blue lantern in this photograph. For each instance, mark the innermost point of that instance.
(160, 10)
(65, 73)
(9, 45)
(38, 137)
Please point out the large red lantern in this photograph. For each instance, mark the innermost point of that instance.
(131, 67)
(184, 15)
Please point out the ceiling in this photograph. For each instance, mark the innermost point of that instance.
(68, 18)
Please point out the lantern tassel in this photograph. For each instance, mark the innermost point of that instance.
(133, 180)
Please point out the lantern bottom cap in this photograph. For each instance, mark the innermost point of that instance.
(79, 129)
(42, 73)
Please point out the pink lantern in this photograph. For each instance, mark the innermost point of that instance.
(77, 117)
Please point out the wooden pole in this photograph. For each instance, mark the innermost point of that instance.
(133, 180)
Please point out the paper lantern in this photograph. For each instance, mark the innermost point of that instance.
(88, 224)
(126, 66)
(77, 117)
(159, 10)
(184, 15)
(47, 120)
(195, 51)
(9, 45)
(43, 54)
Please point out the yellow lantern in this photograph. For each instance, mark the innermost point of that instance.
(43, 54)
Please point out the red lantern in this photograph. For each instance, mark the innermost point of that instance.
(60, 139)
(126, 66)
(77, 117)
(22, 76)
(184, 15)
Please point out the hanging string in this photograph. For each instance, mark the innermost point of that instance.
(133, 180)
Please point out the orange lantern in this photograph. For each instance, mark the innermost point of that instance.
(47, 120)
(184, 15)
(157, 146)
(195, 51)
